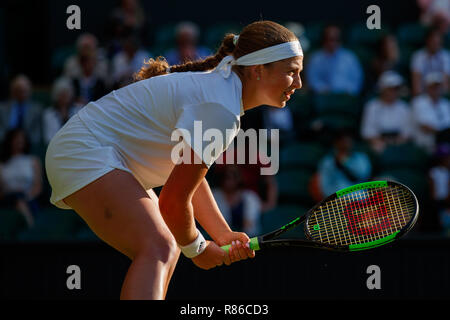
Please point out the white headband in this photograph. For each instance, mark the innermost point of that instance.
(263, 56)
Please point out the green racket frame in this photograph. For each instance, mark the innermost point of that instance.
(269, 240)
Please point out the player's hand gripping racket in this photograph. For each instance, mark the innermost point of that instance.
(359, 217)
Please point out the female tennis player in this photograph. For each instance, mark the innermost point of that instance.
(104, 162)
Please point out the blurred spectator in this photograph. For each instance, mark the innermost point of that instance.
(439, 178)
(281, 119)
(431, 112)
(127, 18)
(386, 119)
(240, 207)
(130, 15)
(435, 13)
(387, 57)
(22, 112)
(187, 34)
(87, 46)
(88, 86)
(128, 61)
(62, 109)
(333, 68)
(114, 31)
(20, 175)
(344, 166)
(432, 58)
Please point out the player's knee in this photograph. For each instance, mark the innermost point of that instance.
(164, 250)
(171, 250)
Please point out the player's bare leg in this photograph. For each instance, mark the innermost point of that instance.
(125, 216)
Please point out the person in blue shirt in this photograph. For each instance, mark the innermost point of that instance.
(21, 111)
(343, 167)
(334, 68)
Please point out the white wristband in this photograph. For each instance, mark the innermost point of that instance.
(195, 248)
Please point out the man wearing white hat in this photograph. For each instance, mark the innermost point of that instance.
(386, 119)
(431, 112)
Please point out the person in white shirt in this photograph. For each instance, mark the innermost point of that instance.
(386, 119)
(20, 175)
(62, 110)
(128, 61)
(430, 112)
(87, 45)
(432, 58)
(105, 160)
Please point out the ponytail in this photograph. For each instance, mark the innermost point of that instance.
(152, 68)
(159, 66)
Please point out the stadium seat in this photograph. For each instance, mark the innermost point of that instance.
(406, 52)
(40, 150)
(302, 108)
(158, 51)
(42, 96)
(313, 31)
(406, 155)
(415, 180)
(360, 35)
(60, 56)
(300, 104)
(447, 41)
(365, 55)
(337, 110)
(11, 223)
(293, 186)
(164, 39)
(215, 33)
(336, 121)
(165, 34)
(53, 224)
(337, 102)
(282, 215)
(301, 156)
(447, 95)
(364, 147)
(411, 34)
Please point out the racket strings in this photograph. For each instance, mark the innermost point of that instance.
(362, 216)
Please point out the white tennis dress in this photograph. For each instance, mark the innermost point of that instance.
(131, 129)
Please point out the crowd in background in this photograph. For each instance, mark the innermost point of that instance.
(397, 104)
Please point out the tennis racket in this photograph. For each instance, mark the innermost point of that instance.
(360, 217)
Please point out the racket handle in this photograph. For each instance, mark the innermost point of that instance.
(254, 245)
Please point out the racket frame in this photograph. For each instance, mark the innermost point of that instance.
(269, 239)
